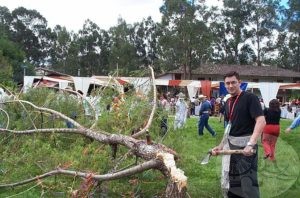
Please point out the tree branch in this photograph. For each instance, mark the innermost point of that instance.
(6, 116)
(157, 156)
(143, 131)
(106, 177)
(47, 110)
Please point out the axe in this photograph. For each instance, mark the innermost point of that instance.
(223, 152)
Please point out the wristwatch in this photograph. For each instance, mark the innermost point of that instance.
(250, 144)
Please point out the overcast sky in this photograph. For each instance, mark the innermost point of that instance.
(105, 13)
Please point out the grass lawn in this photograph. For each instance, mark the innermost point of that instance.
(280, 179)
(26, 156)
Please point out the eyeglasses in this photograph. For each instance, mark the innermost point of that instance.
(231, 82)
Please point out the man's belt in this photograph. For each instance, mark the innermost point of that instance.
(205, 112)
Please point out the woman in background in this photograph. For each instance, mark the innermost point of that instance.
(272, 129)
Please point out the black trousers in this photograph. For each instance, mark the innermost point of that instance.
(243, 175)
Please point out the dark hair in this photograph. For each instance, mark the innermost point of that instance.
(232, 73)
(274, 105)
(164, 96)
(79, 91)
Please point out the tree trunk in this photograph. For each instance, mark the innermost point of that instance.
(155, 156)
(177, 184)
(174, 191)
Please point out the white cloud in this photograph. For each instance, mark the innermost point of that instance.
(104, 13)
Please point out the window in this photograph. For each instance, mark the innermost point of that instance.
(177, 76)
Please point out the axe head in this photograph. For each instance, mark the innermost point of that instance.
(206, 158)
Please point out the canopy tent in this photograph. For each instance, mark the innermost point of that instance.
(268, 90)
(290, 86)
(44, 81)
(193, 86)
(141, 84)
(80, 83)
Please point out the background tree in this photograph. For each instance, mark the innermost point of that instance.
(89, 41)
(6, 73)
(265, 18)
(123, 52)
(236, 19)
(145, 38)
(61, 44)
(5, 21)
(293, 24)
(29, 29)
(185, 39)
(190, 34)
(12, 58)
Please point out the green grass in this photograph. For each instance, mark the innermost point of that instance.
(279, 179)
(26, 156)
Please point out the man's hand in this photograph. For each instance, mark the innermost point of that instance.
(248, 151)
(215, 150)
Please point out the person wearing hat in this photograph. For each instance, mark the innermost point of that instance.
(204, 113)
(181, 109)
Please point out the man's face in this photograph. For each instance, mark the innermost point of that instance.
(232, 85)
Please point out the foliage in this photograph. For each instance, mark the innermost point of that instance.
(6, 70)
(12, 58)
(188, 35)
(29, 29)
(130, 116)
(40, 153)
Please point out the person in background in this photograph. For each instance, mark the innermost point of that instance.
(272, 129)
(213, 105)
(164, 105)
(222, 108)
(204, 113)
(172, 105)
(246, 122)
(294, 124)
(193, 106)
(181, 109)
(262, 104)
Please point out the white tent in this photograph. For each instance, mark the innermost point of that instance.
(28, 81)
(268, 91)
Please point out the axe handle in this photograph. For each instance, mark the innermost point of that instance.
(230, 152)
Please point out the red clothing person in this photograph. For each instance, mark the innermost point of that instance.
(272, 129)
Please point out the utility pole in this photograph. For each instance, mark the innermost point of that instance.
(78, 72)
(24, 66)
(118, 66)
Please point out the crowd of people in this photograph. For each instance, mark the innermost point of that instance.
(246, 120)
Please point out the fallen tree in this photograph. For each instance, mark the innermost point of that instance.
(154, 155)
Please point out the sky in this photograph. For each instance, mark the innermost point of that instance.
(105, 13)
